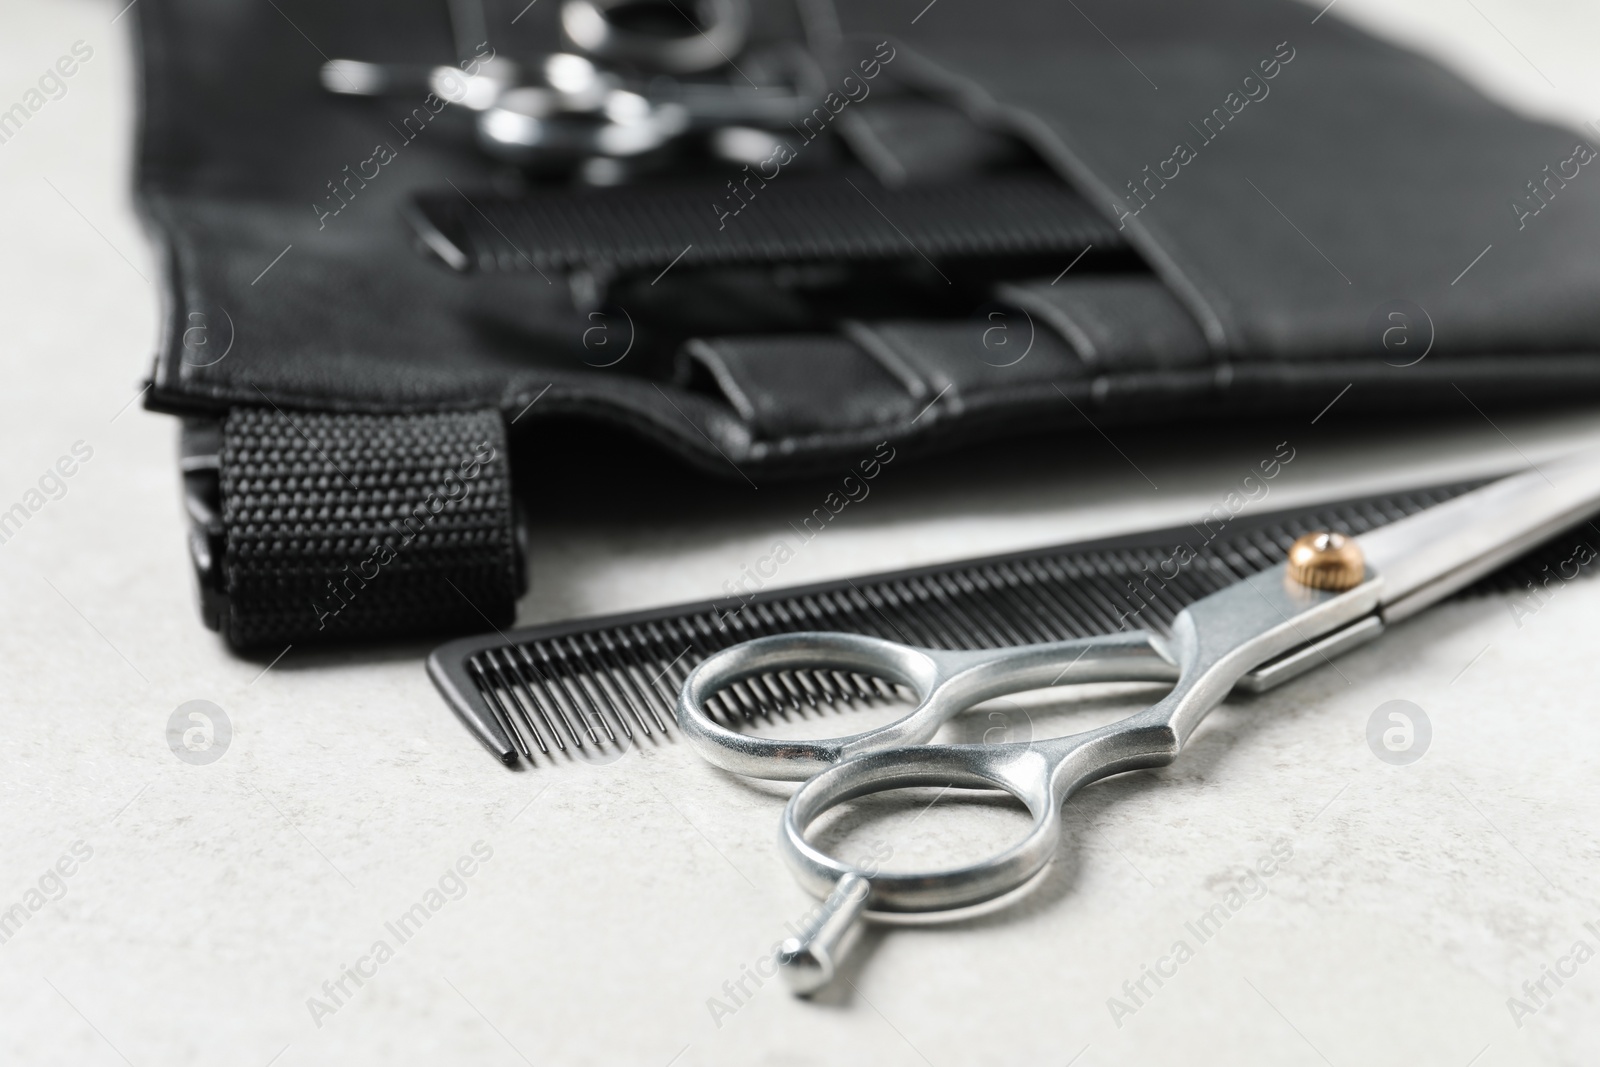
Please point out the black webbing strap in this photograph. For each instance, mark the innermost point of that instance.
(364, 526)
(793, 218)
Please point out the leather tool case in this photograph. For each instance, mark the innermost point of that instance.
(999, 218)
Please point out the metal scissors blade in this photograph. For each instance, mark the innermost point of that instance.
(1425, 558)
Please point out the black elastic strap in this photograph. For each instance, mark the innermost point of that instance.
(364, 526)
(792, 218)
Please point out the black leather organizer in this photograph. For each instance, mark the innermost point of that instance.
(989, 219)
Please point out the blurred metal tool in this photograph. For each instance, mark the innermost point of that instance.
(475, 82)
(477, 90)
(578, 111)
(566, 110)
(658, 35)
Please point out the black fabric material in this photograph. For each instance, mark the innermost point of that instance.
(364, 525)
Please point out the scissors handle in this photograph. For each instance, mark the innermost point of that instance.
(944, 683)
(1214, 643)
(1039, 775)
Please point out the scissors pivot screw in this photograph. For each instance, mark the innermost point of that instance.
(1327, 560)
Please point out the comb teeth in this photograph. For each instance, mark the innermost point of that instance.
(614, 685)
(599, 685)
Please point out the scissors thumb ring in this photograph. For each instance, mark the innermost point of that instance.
(1040, 775)
(1021, 773)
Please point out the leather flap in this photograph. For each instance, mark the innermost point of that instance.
(1286, 174)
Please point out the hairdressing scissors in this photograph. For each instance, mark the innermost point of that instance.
(635, 76)
(1332, 594)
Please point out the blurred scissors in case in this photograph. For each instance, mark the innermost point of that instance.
(634, 76)
(1332, 594)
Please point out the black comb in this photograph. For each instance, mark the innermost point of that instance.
(603, 683)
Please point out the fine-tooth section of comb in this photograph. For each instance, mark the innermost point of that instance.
(591, 687)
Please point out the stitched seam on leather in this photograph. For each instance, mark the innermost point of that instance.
(1037, 395)
(170, 246)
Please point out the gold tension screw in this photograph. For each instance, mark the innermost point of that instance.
(1326, 560)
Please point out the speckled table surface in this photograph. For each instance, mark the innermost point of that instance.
(174, 913)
